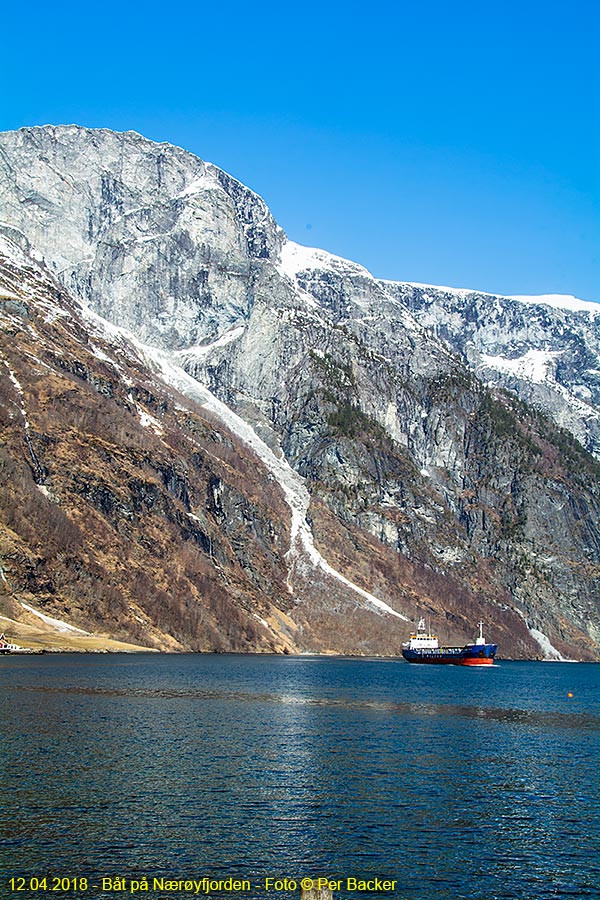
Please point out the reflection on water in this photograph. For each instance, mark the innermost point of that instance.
(542, 718)
(457, 784)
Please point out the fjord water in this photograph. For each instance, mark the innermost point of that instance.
(453, 782)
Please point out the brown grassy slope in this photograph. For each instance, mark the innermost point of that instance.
(166, 535)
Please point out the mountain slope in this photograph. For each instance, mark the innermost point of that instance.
(152, 513)
(545, 349)
(108, 480)
(386, 479)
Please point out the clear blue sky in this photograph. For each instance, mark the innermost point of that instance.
(447, 142)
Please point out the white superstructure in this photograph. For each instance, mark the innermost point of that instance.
(423, 639)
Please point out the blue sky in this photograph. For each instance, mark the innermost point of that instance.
(450, 143)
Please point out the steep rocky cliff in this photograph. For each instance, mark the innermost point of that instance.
(326, 465)
(545, 349)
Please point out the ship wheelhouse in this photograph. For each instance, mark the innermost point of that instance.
(423, 639)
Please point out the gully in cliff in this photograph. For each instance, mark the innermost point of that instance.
(423, 647)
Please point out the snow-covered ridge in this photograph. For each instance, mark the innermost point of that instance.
(297, 258)
(434, 287)
(560, 301)
(557, 301)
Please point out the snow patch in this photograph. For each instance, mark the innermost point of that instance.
(146, 420)
(8, 295)
(203, 183)
(262, 621)
(58, 624)
(201, 351)
(101, 355)
(297, 258)
(19, 389)
(560, 301)
(549, 651)
(53, 312)
(535, 365)
(149, 421)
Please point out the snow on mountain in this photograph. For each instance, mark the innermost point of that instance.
(561, 301)
(558, 301)
(363, 401)
(294, 490)
(534, 365)
(295, 258)
(545, 348)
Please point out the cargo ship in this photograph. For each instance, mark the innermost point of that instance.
(423, 647)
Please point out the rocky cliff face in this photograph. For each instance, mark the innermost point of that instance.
(389, 480)
(147, 234)
(544, 349)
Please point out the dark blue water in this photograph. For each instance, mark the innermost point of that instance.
(455, 783)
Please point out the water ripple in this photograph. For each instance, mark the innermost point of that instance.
(515, 716)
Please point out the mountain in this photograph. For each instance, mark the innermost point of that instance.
(545, 349)
(249, 444)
